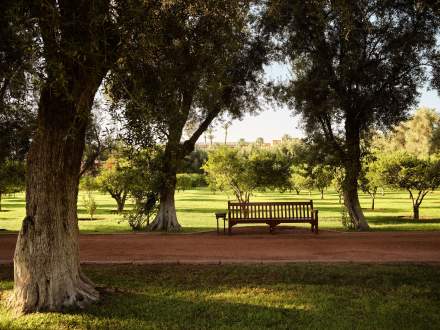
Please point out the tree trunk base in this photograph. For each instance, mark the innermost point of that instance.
(166, 219)
(355, 212)
(42, 296)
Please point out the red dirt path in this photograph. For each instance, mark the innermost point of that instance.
(251, 245)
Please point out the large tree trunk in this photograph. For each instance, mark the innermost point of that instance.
(352, 165)
(47, 274)
(166, 219)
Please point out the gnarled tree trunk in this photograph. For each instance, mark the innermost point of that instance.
(47, 274)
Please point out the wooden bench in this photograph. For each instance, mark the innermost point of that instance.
(272, 214)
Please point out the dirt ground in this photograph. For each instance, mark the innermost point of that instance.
(252, 245)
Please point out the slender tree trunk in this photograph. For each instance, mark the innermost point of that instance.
(372, 203)
(322, 193)
(352, 165)
(120, 200)
(0, 201)
(416, 211)
(47, 274)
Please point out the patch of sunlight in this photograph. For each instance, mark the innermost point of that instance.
(267, 297)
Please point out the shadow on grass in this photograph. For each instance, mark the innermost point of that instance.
(400, 221)
(296, 296)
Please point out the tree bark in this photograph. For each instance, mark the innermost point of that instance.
(416, 212)
(322, 193)
(47, 274)
(352, 165)
(166, 219)
(1, 201)
(372, 203)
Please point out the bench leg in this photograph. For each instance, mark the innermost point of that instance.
(229, 229)
(312, 227)
(316, 228)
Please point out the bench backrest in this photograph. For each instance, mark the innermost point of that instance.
(270, 210)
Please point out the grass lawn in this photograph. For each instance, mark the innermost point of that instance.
(196, 209)
(295, 296)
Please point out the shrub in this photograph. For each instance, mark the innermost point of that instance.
(89, 204)
(346, 221)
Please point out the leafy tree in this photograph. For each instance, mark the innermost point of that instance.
(77, 42)
(321, 177)
(145, 168)
(337, 182)
(193, 162)
(299, 179)
(180, 75)
(259, 141)
(417, 176)
(356, 66)
(228, 168)
(371, 178)
(89, 204)
(115, 178)
(271, 168)
(419, 135)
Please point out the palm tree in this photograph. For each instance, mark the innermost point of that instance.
(226, 126)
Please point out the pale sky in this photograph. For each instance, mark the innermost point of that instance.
(273, 123)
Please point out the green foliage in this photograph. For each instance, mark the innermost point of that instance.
(372, 177)
(353, 68)
(244, 170)
(338, 181)
(346, 222)
(229, 168)
(184, 182)
(115, 178)
(144, 185)
(89, 183)
(193, 162)
(89, 204)
(299, 179)
(417, 176)
(419, 135)
(12, 177)
(187, 181)
(321, 177)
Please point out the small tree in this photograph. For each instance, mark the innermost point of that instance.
(114, 179)
(89, 204)
(230, 167)
(371, 179)
(417, 176)
(337, 182)
(321, 176)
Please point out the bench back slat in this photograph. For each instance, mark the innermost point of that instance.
(270, 210)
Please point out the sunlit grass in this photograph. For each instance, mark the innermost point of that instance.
(295, 296)
(196, 211)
